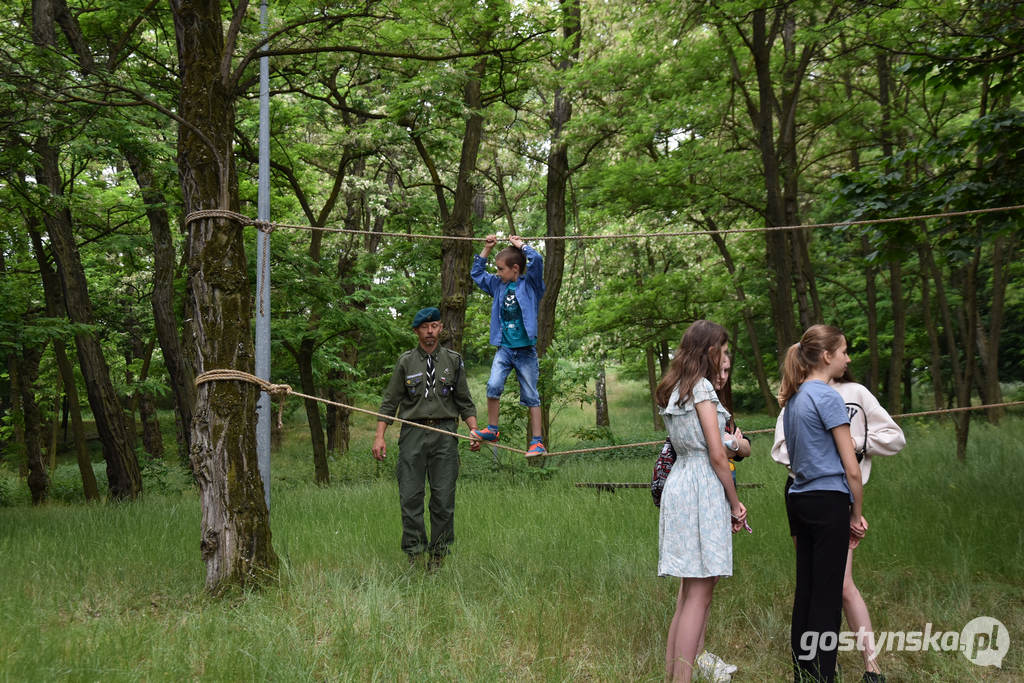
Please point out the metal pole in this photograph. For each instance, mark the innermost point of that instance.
(263, 407)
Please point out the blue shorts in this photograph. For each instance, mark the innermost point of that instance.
(524, 361)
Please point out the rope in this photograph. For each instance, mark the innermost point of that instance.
(611, 486)
(961, 409)
(938, 411)
(269, 226)
(280, 391)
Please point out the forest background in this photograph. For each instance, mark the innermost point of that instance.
(458, 119)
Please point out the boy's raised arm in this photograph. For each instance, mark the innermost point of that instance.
(489, 243)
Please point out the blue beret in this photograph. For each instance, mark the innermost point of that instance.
(426, 315)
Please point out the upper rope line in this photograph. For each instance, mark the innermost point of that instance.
(269, 226)
(280, 391)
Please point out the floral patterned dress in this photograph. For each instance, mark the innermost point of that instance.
(694, 534)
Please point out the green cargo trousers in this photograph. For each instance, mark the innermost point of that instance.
(424, 454)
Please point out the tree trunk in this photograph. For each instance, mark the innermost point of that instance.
(17, 413)
(303, 356)
(1002, 253)
(457, 255)
(777, 252)
(961, 379)
(129, 413)
(554, 198)
(55, 309)
(123, 478)
(558, 180)
(236, 540)
(793, 68)
(899, 337)
(871, 302)
(38, 481)
(339, 431)
(304, 360)
(770, 403)
(152, 439)
(935, 353)
(358, 216)
(652, 384)
(601, 398)
(179, 370)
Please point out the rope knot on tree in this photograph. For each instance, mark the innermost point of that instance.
(276, 391)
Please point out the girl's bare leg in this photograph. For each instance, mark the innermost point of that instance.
(688, 624)
(858, 618)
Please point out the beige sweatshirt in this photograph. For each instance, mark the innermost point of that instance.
(873, 430)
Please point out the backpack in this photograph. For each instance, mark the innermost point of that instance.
(662, 466)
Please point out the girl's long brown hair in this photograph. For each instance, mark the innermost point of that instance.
(806, 355)
(698, 355)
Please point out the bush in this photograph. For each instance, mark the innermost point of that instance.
(160, 475)
(66, 483)
(7, 487)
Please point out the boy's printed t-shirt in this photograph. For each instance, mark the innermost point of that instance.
(513, 330)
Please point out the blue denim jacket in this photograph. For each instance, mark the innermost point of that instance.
(529, 291)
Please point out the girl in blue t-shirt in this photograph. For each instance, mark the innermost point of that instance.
(825, 498)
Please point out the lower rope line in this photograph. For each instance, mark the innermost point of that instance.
(280, 391)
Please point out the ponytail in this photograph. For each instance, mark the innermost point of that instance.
(794, 370)
(802, 357)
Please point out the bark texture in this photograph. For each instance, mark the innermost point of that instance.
(236, 542)
(180, 371)
(55, 309)
(457, 256)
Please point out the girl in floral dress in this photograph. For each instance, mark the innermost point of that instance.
(699, 506)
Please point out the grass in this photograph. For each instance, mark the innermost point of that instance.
(548, 582)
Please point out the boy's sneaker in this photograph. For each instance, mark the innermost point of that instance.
(536, 448)
(712, 668)
(485, 434)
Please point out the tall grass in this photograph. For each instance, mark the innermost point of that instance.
(547, 582)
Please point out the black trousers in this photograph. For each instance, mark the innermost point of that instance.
(821, 524)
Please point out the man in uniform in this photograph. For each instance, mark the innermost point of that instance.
(428, 386)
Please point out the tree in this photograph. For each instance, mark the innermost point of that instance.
(123, 477)
(236, 543)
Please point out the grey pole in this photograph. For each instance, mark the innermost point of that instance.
(263, 407)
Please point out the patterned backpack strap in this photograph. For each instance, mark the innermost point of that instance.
(662, 467)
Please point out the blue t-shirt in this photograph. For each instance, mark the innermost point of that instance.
(810, 416)
(513, 331)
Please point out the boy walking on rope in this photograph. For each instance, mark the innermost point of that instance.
(516, 289)
(428, 386)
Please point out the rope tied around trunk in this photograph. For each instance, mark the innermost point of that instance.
(278, 391)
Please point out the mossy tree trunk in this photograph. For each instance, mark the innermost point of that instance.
(236, 543)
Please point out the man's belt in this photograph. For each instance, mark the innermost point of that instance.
(435, 421)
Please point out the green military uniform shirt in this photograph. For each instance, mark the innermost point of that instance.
(407, 389)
